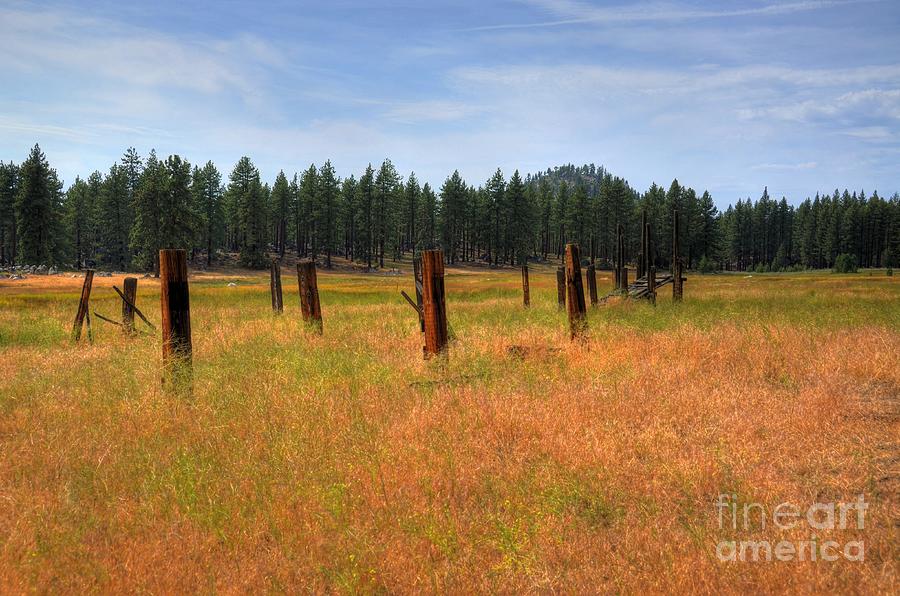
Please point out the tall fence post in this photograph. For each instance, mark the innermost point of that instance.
(575, 292)
(647, 249)
(83, 304)
(592, 283)
(275, 287)
(561, 287)
(677, 282)
(526, 294)
(130, 287)
(309, 293)
(651, 284)
(434, 307)
(175, 305)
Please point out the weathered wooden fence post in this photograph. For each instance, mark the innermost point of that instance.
(651, 284)
(175, 305)
(275, 287)
(130, 288)
(647, 249)
(83, 305)
(677, 282)
(592, 283)
(561, 287)
(309, 293)
(434, 307)
(526, 294)
(575, 292)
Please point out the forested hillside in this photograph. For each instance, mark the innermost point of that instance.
(120, 219)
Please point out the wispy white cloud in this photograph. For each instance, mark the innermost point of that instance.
(807, 165)
(572, 12)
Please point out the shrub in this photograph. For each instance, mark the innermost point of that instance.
(706, 265)
(845, 263)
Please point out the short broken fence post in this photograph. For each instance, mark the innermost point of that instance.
(83, 306)
(310, 307)
(592, 284)
(526, 294)
(561, 287)
(434, 307)
(130, 286)
(275, 287)
(575, 304)
(175, 305)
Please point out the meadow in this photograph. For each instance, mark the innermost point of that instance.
(522, 462)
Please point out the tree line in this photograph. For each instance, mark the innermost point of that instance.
(119, 220)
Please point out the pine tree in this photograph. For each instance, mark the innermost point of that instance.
(38, 207)
(149, 201)
(178, 221)
(366, 221)
(79, 210)
(428, 219)
(306, 204)
(246, 194)
(451, 215)
(207, 191)
(326, 210)
(520, 209)
(495, 203)
(9, 188)
(281, 206)
(386, 183)
(349, 206)
(412, 195)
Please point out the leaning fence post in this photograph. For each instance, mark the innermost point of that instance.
(526, 294)
(575, 292)
(275, 286)
(592, 283)
(175, 305)
(561, 287)
(130, 287)
(434, 307)
(309, 293)
(83, 304)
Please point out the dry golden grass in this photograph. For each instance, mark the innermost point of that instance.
(347, 463)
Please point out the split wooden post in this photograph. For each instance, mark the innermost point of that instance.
(575, 305)
(309, 293)
(647, 249)
(561, 287)
(417, 275)
(434, 307)
(677, 281)
(275, 287)
(130, 287)
(83, 304)
(651, 284)
(175, 305)
(592, 283)
(526, 294)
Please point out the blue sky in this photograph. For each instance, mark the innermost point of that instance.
(799, 95)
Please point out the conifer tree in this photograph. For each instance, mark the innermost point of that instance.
(9, 188)
(246, 194)
(38, 207)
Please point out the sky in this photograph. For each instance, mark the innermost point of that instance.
(728, 96)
